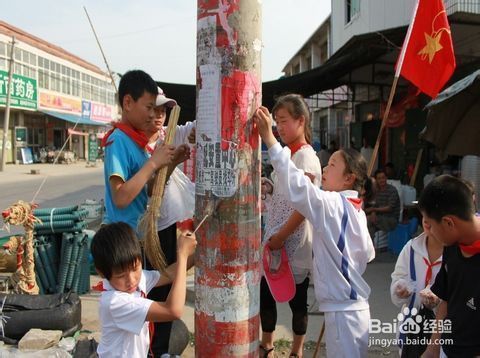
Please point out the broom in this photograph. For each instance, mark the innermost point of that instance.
(148, 222)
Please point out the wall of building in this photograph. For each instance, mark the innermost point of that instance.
(355, 17)
(313, 53)
(44, 81)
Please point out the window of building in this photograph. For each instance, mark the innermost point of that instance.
(17, 68)
(42, 83)
(86, 91)
(110, 98)
(296, 69)
(3, 53)
(43, 79)
(323, 130)
(75, 87)
(9, 49)
(17, 54)
(352, 9)
(66, 86)
(323, 52)
(308, 62)
(31, 72)
(36, 136)
(32, 60)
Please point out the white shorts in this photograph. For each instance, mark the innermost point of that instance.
(346, 333)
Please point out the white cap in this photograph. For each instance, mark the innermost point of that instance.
(162, 100)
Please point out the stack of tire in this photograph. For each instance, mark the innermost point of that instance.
(62, 247)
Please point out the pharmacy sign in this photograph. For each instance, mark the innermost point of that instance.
(23, 91)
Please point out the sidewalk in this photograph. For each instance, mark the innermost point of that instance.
(377, 275)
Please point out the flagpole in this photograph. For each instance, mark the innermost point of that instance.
(392, 91)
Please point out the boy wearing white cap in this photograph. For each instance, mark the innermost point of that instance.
(178, 204)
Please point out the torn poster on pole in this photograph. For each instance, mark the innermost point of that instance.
(218, 175)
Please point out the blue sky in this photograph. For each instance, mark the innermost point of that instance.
(158, 36)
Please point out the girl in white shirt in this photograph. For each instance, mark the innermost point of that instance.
(286, 227)
(427, 260)
(342, 246)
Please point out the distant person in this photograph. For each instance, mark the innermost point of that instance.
(333, 147)
(433, 172)
(367, 152)
(368, 193)
(385, 214)
(353, 145)
(323, 155)
(124, 309)
(390, 171)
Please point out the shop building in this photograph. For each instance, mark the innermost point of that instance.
(54, 94)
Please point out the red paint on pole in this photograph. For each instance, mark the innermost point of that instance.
(232, 336)
(227, 273)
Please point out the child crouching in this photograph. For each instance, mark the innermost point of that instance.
(124, 309)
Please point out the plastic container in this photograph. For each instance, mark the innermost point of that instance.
(398, 238)
(409, 194)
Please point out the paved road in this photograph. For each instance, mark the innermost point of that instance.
(65, 185)
(73, 184)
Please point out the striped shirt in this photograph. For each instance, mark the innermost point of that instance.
(388, 197)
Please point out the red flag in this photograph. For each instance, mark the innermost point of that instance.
(428, 60)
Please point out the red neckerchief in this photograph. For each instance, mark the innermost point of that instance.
(151, 328)
(356, 202)
(296, 147)
(151, 325)
(471, 249)
(428, 275)
(138, 137)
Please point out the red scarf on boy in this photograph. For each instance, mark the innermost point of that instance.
(474, 248)
(137, 136)
(471, 249)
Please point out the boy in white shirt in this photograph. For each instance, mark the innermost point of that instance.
(124, 309)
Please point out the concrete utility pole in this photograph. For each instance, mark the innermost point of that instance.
(7, 109)
(227, 273)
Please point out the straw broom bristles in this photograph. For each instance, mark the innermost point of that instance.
(148, 223)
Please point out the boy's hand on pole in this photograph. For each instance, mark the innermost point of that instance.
(163, 155)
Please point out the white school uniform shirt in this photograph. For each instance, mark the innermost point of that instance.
(342, 246)
(299, 243)
(402, 270)
(122, 316)
(178, 201)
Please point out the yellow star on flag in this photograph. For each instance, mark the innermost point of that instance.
(432, 46)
